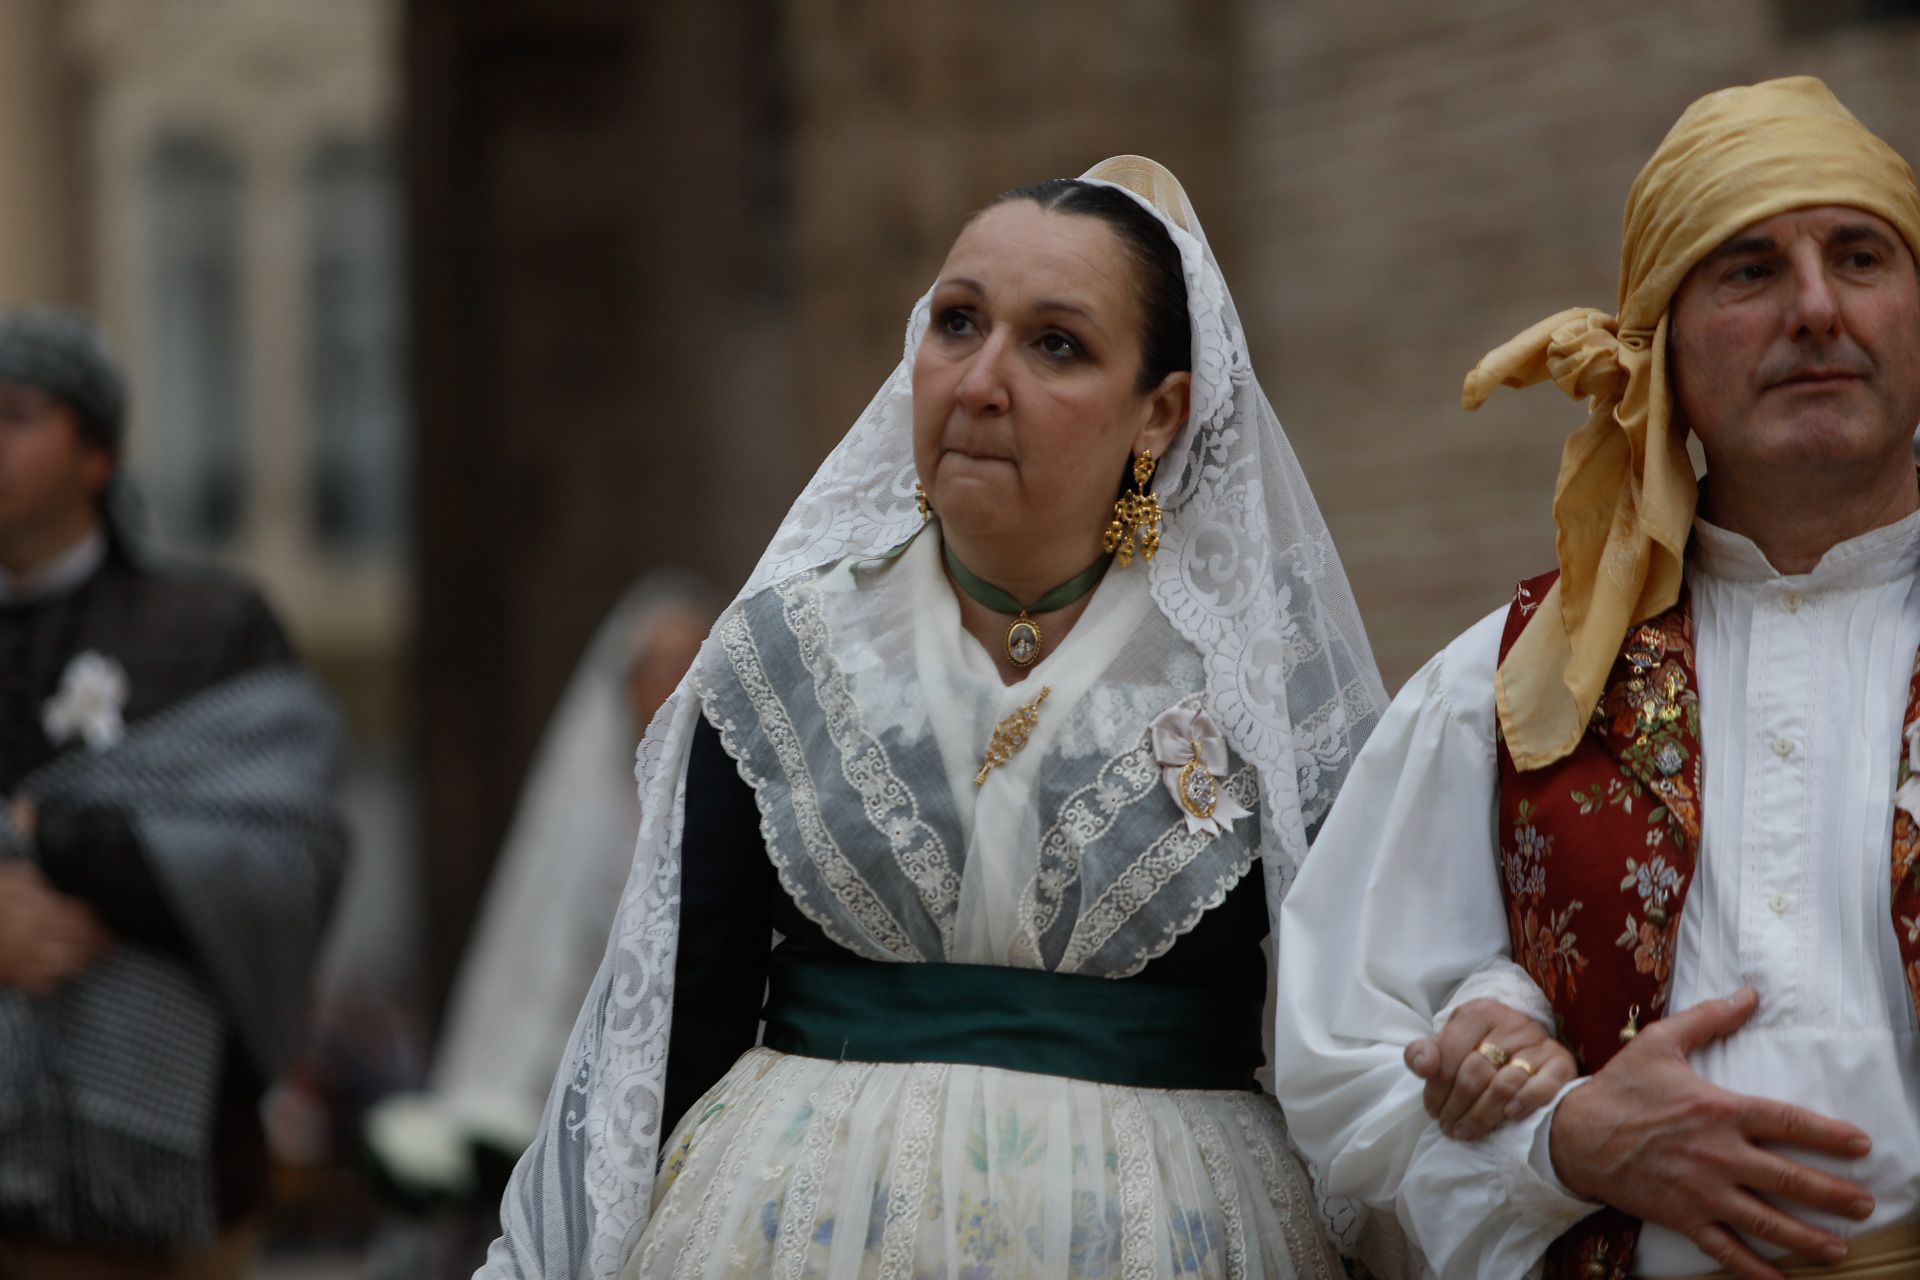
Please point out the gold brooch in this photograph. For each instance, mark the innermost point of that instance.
(1198, 790)
(1010, 735)
(1192, 755)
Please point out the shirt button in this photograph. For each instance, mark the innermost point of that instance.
(1791, 601)
(1779, 902)
(1783, 747)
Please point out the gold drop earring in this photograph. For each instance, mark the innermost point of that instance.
(1136, 516)
(920, 500)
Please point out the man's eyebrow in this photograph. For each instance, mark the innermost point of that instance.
(1741, 246)
(1856, 233)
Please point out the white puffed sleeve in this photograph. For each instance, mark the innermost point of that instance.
(1396, 918)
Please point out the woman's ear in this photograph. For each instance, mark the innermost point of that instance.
(1167, 407)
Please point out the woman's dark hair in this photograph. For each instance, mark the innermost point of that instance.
(1166, 341)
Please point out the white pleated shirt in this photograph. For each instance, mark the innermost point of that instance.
(1398, 914)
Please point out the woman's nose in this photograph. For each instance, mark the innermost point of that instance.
(983, 387)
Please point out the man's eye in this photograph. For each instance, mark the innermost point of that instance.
(1862, 260)
(1749, 273)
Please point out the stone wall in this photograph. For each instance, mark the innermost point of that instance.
(1417, 184)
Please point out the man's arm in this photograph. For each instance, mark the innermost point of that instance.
(46, 937)
(1398, 905)
(94, 855)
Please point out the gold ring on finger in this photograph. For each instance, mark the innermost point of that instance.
(1522, 1063)
(1492, 1053)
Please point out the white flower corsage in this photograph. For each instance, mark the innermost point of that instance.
(1908, 796)
(1192, 755)
(93, 691)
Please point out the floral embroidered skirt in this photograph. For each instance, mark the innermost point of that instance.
(802, 1167)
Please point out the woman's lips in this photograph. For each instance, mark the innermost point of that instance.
(977, 454)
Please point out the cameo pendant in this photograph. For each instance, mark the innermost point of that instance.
(1023, 641)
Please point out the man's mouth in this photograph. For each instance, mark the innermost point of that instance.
(1819, 378)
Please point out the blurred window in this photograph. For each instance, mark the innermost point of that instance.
(194, 194)
(358, 478)
(1811, 17)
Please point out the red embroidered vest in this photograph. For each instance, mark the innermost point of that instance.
(1597, 853)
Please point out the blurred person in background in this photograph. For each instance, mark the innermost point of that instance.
(1019, 773)
(544, 927)
(168, 855)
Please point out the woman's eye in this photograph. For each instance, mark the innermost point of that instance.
(956, 324)
(1059, 346)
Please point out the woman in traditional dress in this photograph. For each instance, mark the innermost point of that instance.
(549, 905)
(1015, 738)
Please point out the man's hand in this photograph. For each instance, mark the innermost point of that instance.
(1648, 1136)
(46, 938)
(1466, 1093)
(26, 818)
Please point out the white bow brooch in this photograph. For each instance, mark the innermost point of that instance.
(1192, 755)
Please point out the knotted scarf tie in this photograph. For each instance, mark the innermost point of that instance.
(1623, 505)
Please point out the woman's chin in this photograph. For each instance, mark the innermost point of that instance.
(965, 526)
(975, 507)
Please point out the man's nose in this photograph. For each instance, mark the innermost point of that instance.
(1815, 307)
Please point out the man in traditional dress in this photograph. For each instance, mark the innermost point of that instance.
(1671, 782)
(168, 851)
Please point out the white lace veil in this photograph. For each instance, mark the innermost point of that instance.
(1246, 575)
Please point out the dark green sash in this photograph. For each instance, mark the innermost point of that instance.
(1151, 1035)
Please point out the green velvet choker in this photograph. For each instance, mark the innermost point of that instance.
(1024, 639)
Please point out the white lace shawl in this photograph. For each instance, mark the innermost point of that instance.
(859, 709)
(1247, 582)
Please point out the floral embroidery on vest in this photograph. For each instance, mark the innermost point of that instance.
(1543, 939)
(1906, 841)
(1634, 784)
(1597, 854)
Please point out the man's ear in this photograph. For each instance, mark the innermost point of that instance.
(97, 466)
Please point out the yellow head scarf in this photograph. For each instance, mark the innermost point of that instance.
(1623, 505)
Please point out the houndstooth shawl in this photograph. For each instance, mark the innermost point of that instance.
(108, 1088)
